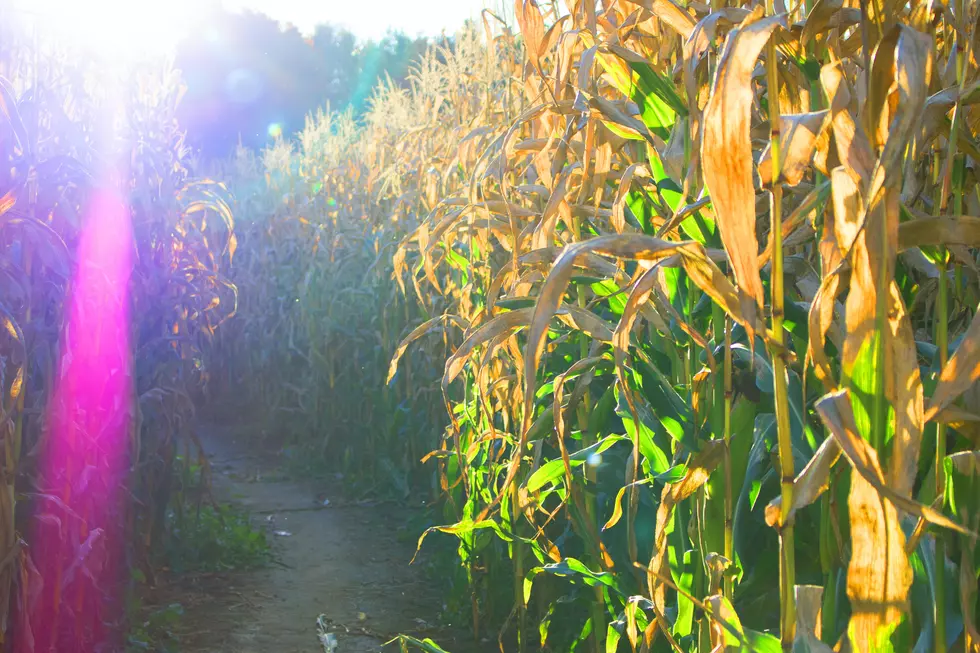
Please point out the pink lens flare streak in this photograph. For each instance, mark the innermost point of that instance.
(77, 539)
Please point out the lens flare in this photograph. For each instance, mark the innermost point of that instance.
(79, 530)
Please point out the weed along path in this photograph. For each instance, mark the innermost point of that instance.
(342, 561)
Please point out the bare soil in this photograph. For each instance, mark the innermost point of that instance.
(344, 561)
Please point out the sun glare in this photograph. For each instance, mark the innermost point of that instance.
(114, 28)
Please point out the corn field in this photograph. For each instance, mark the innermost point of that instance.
(701, 284)
(706, 279)
(669, 307)
(82, 514)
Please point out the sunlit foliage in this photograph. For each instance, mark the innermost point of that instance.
(700, 283)
(680, 394)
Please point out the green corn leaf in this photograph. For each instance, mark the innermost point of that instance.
(574, 570)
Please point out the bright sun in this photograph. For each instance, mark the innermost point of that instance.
(114, 28)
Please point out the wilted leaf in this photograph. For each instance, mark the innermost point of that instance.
(960, 372)
(417, 333)
(797, 139)
(877, 540)
(808, 620)
(809, 484)
(671, 14)
(726, 150)
(836, 412)
(724, 620)
(952, 230)
(698, 470)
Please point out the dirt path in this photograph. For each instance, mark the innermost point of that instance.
(342, 561)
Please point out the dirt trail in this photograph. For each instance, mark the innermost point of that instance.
(342, 561)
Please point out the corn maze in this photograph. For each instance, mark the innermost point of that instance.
(670, 308)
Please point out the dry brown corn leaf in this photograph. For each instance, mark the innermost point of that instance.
(966, 424)
(670, 13)
(879, 575)
(826, 15)
(837, 414)
(808, 485)
(803, 211)
(638, 296)
(532, 30)
(845, 199)
(589, 262)
(726, 152)
(695, 47)
(587, 322)
(577, 318)
(503, 208)
(698, 471)
(903, 389)
(809, 603)
(938, 105)
(697, 44)
(551, 294)
(714, 283)
(616, 118)
(943, 230)
(863, 306)
(851, 146)
(797, 139)
(820, 319)
(496, 326)
(847, 204)
(418, 332)
(724, 624)
(625, 184)
(544, 233)
(900, 74)
(961, 371)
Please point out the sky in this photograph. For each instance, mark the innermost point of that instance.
(118, 30)
(370, 19)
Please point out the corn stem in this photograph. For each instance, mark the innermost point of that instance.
(722, 409)
(942, 335)
(787, 566)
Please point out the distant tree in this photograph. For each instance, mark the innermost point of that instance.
(336, 58)
(392, 56)
(249, 78)
(244, 75)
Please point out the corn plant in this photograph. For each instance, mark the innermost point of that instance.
(70, 139)
(716, 287)
(701, 282)
(318, 221)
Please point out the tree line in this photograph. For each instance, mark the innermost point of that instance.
(249, 78)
